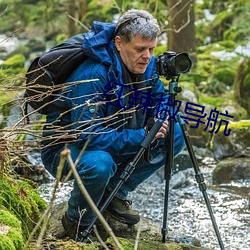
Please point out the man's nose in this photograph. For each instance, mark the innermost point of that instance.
(146, 54)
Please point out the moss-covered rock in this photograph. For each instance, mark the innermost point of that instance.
(224, 102)
(128, 244)
(11, 237)
(225, 75)
(242, 84)
(232, 152)
(236, 143)
(22, 200)
(150, 235)
(231, 169)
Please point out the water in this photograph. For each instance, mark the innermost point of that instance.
(187, 212)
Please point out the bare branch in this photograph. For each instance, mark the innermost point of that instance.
(77, 21)
(66, 154)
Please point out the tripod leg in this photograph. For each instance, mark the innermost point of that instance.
(199, 177)
(168, 173)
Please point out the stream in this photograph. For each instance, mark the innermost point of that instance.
(187, 212)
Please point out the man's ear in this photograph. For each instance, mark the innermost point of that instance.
(118, 42)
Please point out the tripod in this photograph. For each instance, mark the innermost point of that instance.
(173, 90)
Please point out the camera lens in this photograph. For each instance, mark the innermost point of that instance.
(182, 63)
(170, 64)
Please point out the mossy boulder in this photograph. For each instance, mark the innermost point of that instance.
(242, 84)
(11, 237)
(224, 102)
(232, 153)
(224, 75)
(150, 235)
(128, 244)
(235, 144)
(231, 169)
(22, 200)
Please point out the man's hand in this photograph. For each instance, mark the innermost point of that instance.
(163, 130)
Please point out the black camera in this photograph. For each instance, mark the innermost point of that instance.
(171, 65)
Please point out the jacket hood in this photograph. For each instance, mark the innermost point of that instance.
(98, 42)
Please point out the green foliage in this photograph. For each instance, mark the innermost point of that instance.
(5, 97)
(60, 38)
(160, 50)
(221, 23)
(229, 23)
(216, 71)
(48, 20)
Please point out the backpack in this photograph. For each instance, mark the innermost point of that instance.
(47, 73)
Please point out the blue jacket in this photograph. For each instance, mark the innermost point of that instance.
(92, 116)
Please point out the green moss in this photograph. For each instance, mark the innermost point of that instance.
(128, 244)
(13, 239)
(242, 84)
(16, 237)
(240, 124)
(9, 219)
(6, 96)
(61, 38)
(228, 45)
(224, 75)
(211, 100)
(21, 199)
(91, 247)
(6, 243)
(16, 61)
(13, 71)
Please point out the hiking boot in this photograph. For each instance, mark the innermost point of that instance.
(75, 231)
(121, 211)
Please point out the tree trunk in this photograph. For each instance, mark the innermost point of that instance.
(181, 27)
(83, 8)
(71, 6)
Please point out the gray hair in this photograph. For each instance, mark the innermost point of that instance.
(137, 22)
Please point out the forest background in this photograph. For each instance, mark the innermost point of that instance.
(214, 33)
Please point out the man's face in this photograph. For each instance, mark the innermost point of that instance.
(137, 53)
